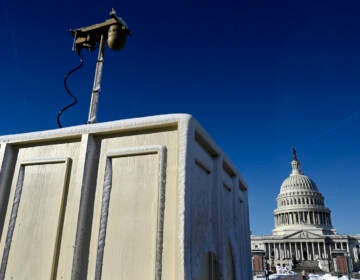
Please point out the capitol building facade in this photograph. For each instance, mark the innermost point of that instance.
(303, 231)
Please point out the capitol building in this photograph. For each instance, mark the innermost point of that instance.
(303, 231)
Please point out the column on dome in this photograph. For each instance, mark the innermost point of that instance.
(307, 250)
(312, 218)
(325, 252)
(313, 250)
(290, 251)
(277, 250)
(319, 252)
(301, 251)
(283, 251)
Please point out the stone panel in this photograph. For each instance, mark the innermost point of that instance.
(35, 228)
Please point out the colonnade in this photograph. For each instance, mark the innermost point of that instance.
(302, 250)
(303, 217)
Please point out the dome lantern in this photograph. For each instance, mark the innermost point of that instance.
(295, 164)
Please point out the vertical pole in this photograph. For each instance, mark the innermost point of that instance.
(97, 80)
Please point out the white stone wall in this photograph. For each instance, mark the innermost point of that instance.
(148, 198)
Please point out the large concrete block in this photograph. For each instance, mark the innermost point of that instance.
(147, 198)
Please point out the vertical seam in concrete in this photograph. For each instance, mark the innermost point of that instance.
(12, 222)
(91, 153)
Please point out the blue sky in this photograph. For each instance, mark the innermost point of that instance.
(260, 76)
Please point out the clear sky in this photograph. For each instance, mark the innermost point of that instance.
(261, 77)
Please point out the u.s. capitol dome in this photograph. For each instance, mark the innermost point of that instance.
(300, 205)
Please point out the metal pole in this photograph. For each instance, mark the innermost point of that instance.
(97, 80)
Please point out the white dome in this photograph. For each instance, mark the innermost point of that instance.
(298, 182)
(300, 205)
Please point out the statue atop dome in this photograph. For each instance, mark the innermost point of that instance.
(295, 163)
(294, 154)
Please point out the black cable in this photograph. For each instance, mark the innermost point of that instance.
(68, 90)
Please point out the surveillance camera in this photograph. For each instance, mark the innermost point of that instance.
(116, 37)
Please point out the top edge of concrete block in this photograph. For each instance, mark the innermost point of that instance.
(103, 127)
